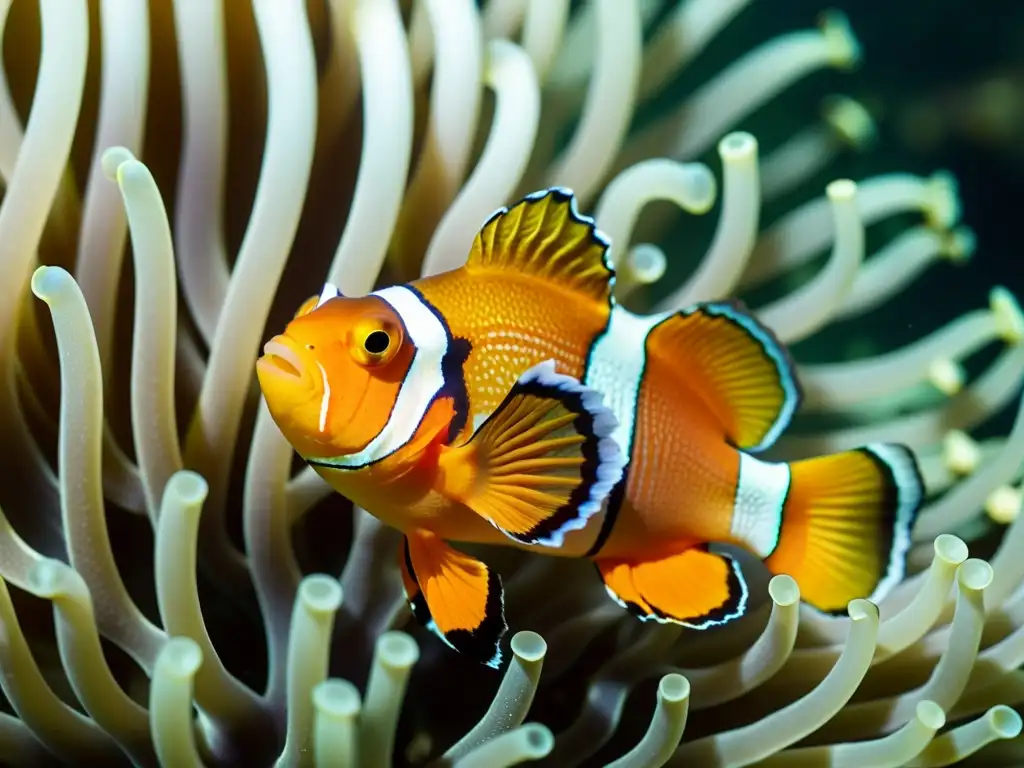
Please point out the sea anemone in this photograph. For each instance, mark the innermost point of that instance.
(365, 142)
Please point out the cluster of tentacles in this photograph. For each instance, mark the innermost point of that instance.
(283, 143)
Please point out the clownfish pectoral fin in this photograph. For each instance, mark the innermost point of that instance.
(846, 524)
(736, 366)
(545, 236)
(542, 464)
(696, 588)
(454, 595)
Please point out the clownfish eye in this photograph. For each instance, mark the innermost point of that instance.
(374, 341)
(377, 342)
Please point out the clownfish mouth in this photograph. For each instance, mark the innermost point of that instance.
(282, 357)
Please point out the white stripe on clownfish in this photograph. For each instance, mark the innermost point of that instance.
(325, 400)
(424, 379)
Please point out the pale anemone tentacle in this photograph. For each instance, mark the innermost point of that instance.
(339, 80)
(810, 307)
(995, 388)
(393, 659)
(666, 729)
(503, 18)
(834, 386)
(43, 154)
(722, 266)
(444, 156)
(916, 618)
(901, 261)
(892, 751)
(82, 509)
(806, 231)
(566, 638)
(18, 745)
(199, 207)
(948, 679)
(154, 421)
(11, 134)
(16, 556)
(124, 92)
(565, 87)
(224, 701)
(746, 84)
(584, 163)
(680, 37)
(304, 491)
(32, 186)
(170, 703)
(691, 186)
(607, 694)
(421, 45)
(387, 146)
(959, 454)
(566, 91)
(790, 724)
(371, 581)
(911, 612)
(287, 159)
(267, 533)
(1007, 565)
(316, 604)
(729, 680)
(337, 707)
(82, 657)
(999, 723)
(845, 124)
(67, 733)
(543, 28)
(328, 713)
(522, 744)
(513, 699)
(336, 728)
(644, 265)
(508, 73)
(962, 501)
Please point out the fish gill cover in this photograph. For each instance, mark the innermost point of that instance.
(174, 593)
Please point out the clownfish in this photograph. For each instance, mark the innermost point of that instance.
(512, 401)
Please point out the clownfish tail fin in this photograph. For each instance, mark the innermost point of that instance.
(845, 524)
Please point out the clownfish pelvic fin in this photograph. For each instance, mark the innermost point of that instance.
(454, 595)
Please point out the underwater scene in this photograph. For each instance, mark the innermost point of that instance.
(478, 383)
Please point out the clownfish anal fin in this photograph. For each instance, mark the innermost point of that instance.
(542, 464)
(736, 366)
(696, 588)
(545, 236)
(846, 524)
(454, 595)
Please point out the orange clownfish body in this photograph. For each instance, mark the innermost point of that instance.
(513, 401)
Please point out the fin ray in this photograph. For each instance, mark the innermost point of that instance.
(736, 366)
(537, 490)
(546, 236)
(846, 524)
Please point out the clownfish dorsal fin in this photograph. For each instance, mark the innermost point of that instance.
(736, 366)
(542, 464)
(543, 235)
